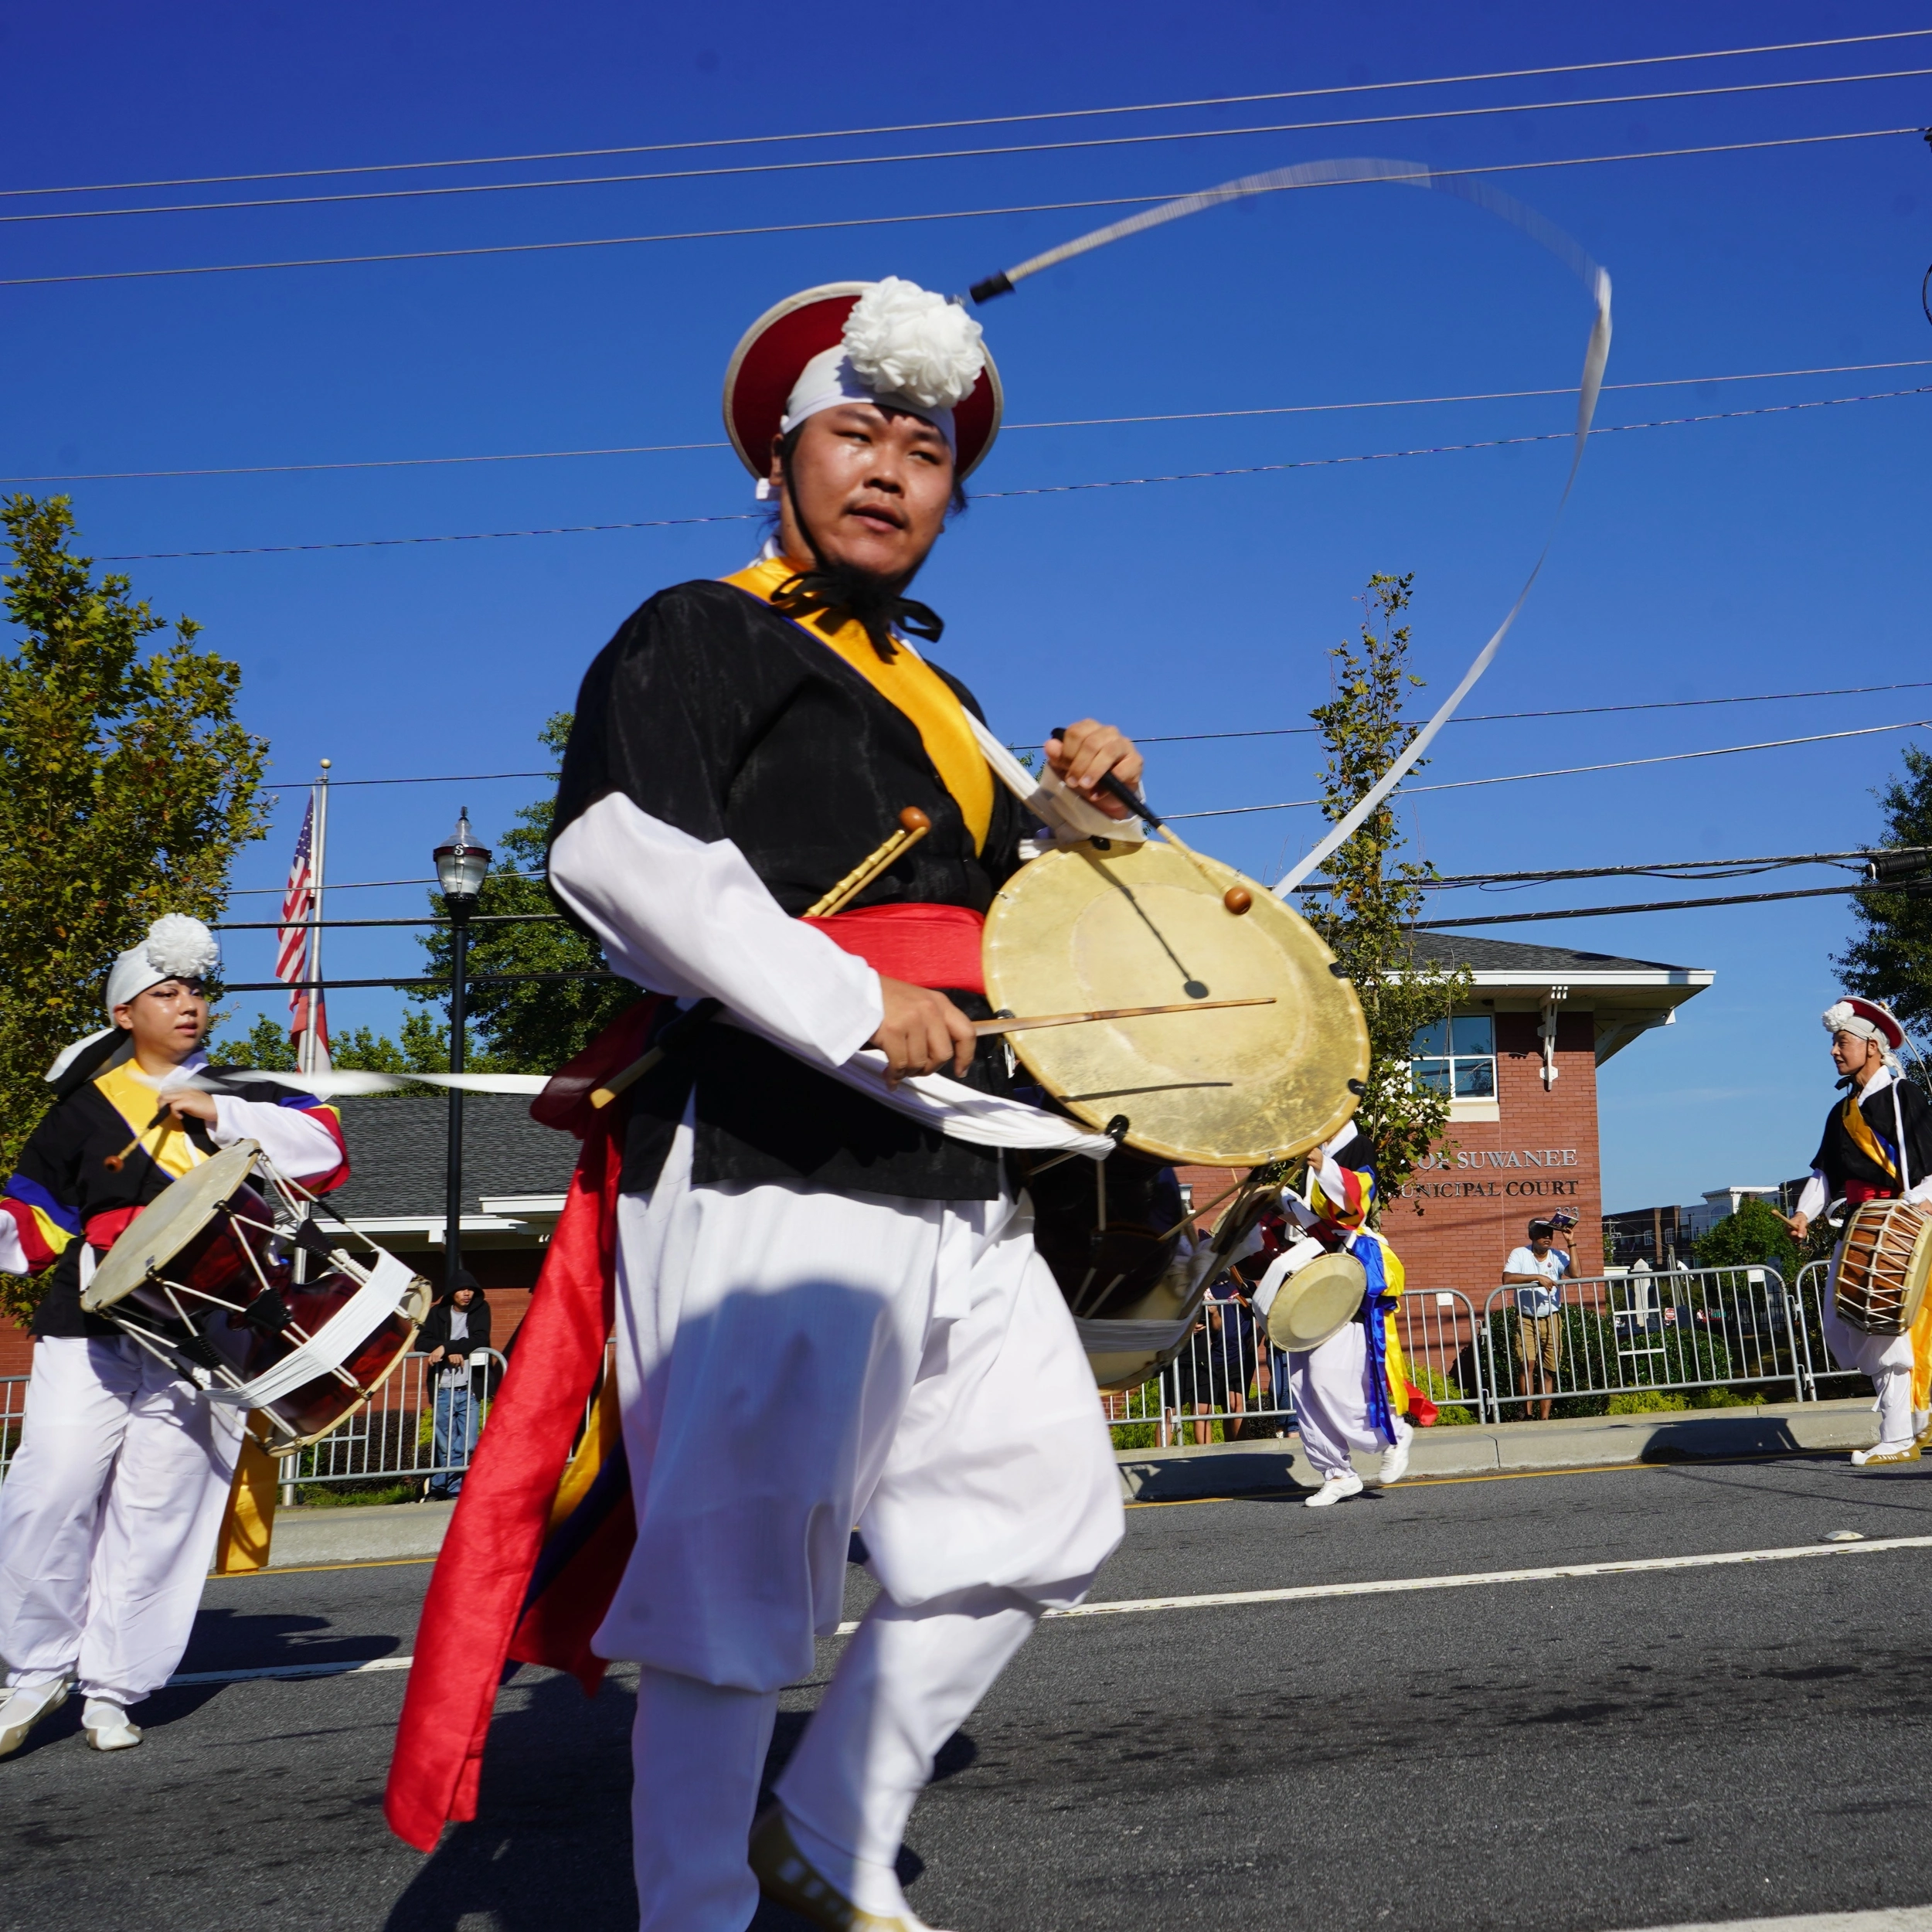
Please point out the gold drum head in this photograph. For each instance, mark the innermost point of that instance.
(1080, 928)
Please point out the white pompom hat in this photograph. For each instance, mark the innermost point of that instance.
(890, 341)
(177, 946)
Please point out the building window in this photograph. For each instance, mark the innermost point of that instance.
(1457, 1057)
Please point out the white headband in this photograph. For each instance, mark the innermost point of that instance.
(177, 946)
(903, 348)
(1844, 1017)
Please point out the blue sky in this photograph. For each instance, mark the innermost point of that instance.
(1779, 553)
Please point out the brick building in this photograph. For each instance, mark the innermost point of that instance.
(1519, 1061)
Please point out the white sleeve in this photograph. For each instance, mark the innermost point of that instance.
(299, 1145)
(13, 1252)
(1811, 1200)
(693, 920)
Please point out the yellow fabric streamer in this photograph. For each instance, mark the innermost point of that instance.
(1864, 1139)
(909, 683)
(136, 1097)
(249, 1527)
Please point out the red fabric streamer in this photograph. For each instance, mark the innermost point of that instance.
(923, 945)
(478, 1593)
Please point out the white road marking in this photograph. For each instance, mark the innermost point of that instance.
(1908, 1918)
(1315, 1593)
(357, 1669)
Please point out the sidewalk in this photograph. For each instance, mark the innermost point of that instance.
(1235, 1468)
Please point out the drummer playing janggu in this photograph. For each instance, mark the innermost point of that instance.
(110, 1513)
(1877, 1146)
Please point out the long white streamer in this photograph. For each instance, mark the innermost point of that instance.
(1406, 173)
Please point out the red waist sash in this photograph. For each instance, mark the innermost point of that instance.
(1858, 1192)
(924, 945)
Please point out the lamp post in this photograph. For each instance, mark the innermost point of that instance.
(461, 864)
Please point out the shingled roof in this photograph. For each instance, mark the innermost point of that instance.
(1452, 950)
(398, 1147)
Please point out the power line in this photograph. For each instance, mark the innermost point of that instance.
(1651, 906)
(1571, 771)
(1685, 868)
(1163, 138)
(1007, 429)
(988, 121)
(1040, 489)
(944, 214)
(1574, 711)
(462, 777)
(1484, 717)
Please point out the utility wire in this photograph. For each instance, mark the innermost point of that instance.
(1164, 138)
(1499, 717)
(1043, 489)
(1652, 906)
(1006, 428)
(988, 121)
(1684, 869)
(1571, 771)
(942, 214)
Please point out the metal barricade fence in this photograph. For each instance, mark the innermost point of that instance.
(13, 1407)
(1636, 1334)
(1820, 1364)
(418, 1427)
(1229, 1374)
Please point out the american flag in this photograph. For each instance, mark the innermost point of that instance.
(292, 958)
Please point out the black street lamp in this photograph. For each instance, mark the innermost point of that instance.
(460, 865)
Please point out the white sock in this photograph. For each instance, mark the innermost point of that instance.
(97, 1714)
(37, 1696)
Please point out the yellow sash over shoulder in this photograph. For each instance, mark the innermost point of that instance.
(909, 683)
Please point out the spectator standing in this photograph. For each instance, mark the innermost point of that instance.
(457, 1326)
(1536, 1273)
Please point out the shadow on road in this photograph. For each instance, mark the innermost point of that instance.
(552, 1837)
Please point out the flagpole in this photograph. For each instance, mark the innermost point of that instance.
(318, 851)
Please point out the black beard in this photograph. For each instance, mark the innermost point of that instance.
(873, 603)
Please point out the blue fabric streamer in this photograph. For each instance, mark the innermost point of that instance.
(1377, 1303)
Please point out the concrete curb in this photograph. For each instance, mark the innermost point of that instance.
(1193, 1472)
(399, 1532)
(349, 1534)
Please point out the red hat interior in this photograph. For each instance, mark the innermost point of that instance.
(1889, 1029)
(774, 352)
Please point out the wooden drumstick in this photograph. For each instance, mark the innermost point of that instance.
(164, 1119)
(1237, 899)
(982, 1028)
(913, 825)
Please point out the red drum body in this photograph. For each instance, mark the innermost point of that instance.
(205, 1278)
(1883, 1269)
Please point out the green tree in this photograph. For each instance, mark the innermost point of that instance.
(127, 787)
(266, 1045)
(1754, 1236)
(1368, 902)
(528, 1026)
(1890, 958)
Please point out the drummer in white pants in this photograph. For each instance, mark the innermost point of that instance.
(111, 1510)
(1876, 1146)
(1347, 1393)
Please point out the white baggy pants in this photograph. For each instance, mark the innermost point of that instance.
(1886, 1359)
(792, 1362)
(1329, 1387)
(108, 1517)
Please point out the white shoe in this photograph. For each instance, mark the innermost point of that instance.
(106, 1726)
(1395, 1462)
(1333, 1489)
(23, 1709)
(1885, 1452)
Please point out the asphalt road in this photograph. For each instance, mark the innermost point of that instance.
(1591, 1754)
